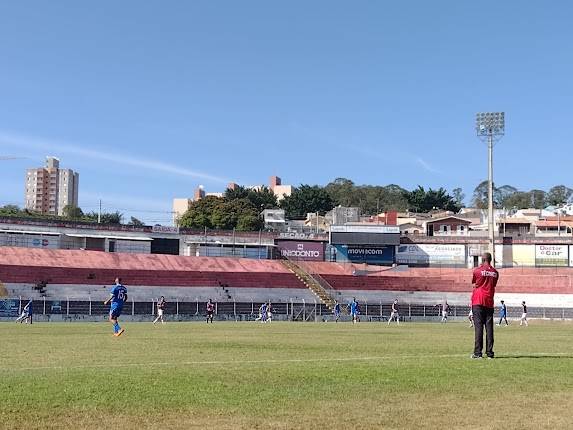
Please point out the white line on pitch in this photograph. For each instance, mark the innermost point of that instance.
(270, 361)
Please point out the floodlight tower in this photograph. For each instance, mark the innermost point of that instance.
(490, 127)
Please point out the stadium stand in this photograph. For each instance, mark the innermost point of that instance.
(65, 273)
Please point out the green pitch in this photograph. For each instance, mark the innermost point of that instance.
(284, 375)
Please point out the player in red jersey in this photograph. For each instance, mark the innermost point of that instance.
(484, 280)
(210, 311)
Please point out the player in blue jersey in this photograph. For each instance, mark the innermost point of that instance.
(117, 298)
(354, 309)
(502, 314)
(263, 315)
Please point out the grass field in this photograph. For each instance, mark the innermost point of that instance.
(284, 375)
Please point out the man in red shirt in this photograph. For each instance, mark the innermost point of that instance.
(484, 280)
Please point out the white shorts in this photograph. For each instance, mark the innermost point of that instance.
(445, 314)
(159, 312)
(524, 316)
(269, 315)
(394, 315)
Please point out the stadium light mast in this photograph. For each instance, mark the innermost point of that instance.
(490, 127)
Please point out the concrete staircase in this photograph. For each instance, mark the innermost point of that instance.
(317, 285)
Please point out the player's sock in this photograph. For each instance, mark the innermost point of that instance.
(116, 327)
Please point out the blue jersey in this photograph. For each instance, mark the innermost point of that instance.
(337, 308)
(119, 296)
(503, 310)
(354, 307)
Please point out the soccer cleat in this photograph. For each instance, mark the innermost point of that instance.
(475, 357)
(490, 358)
(119, 333)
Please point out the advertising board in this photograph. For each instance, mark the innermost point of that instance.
(551, 255)
(431, 254)
(301, 250)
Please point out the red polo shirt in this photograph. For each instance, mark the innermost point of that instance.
(485, 279)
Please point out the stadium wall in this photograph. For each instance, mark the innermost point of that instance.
(86, 273)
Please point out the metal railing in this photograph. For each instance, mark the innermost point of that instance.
(76, 308)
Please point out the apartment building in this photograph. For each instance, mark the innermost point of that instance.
(50, 189)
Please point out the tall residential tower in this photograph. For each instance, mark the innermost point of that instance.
(50, 189)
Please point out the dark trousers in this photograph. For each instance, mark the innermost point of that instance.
(483, 317)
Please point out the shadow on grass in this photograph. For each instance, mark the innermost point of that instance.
(525, 356)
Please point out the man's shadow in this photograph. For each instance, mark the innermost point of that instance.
(525, 356)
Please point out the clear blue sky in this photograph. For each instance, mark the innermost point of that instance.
(147, 100)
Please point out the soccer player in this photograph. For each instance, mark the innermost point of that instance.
(210, 311)
(336, 311)
(354, 311)
(503, 314)
(160, 308)
(27, 313)
(395, 313)
(118, 296)
(524, 315)
(445, 310)
(262, 313)
(269, 312)
(484, 281)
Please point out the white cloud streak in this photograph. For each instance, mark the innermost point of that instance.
(53, 146)
(426, 166)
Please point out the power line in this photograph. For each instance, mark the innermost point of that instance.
(9, 157)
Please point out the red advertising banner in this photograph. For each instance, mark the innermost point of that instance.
(301, 250)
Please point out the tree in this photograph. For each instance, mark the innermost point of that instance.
(518, 200)
(371, 199)
(239, 192)
(480, 197)
(342, 191)
(106, 217)
(10, 210)
(199, 213)
(261, 198)
(459, 196)
(538, 198)
(222, 214)
(73, 212)
(392, 198)
(247, 217)
(420, 200)
(135, 222)
(558, 195)
(503, 194)
(306, 199)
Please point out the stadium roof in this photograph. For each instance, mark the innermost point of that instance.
(102, 236)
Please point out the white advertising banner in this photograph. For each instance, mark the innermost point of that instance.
(426, 254)
(552, 255)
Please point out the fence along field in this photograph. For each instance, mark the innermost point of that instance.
(78, 309)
